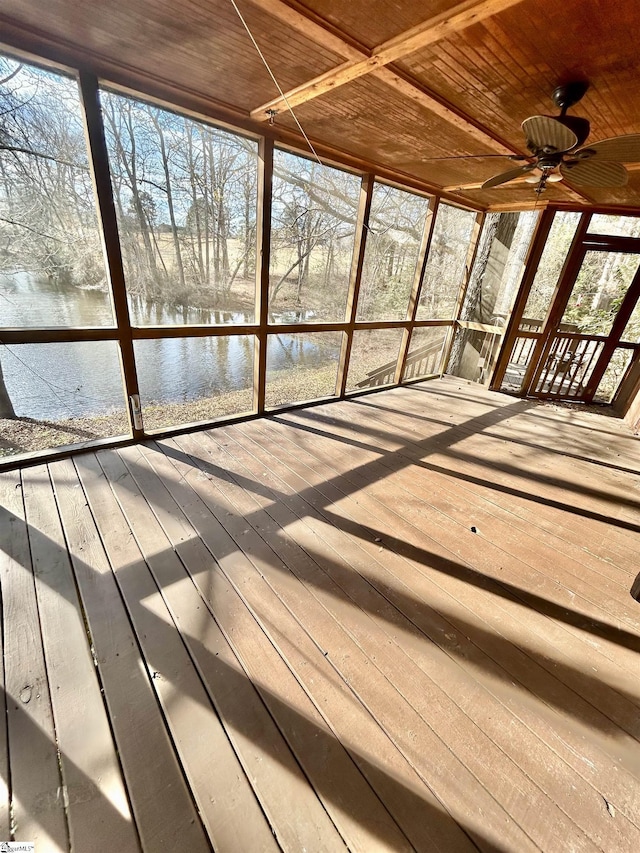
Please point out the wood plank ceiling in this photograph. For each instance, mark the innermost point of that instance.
(399, 88)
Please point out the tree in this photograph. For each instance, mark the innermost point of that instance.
(312, 230)
(48, 224)
(396, 224)
(6, 406)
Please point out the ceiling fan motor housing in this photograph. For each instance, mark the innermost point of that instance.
(568, 94)
(555, 145)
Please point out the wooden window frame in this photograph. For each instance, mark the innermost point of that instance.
(124, 333)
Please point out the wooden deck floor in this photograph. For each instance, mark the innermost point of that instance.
(398, 622)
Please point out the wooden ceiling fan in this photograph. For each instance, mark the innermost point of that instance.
(557, 149)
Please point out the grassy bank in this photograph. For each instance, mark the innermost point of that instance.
(26, 435)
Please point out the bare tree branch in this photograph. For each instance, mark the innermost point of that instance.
(16, 149)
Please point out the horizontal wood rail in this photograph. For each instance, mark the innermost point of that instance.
(384, 374)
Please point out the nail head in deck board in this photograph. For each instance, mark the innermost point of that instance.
(229, 810)
(162, 806)
(98, 810)
(37, 803)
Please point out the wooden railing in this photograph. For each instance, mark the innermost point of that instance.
(529, 331)
(569, 364)
(423, 361)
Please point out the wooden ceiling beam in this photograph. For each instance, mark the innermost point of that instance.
(434, 29)
(314, 28)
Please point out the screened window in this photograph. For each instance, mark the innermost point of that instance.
(613, 375)
(631, 333)
(313, 220)
(618, 226)
(446, 269)
(425, 352)
(301, 367)
(187, 380)
(498, 268)
(186, 197)
(52, 271)
(556, 248)
(374, 357)
(396, 225)
(58, 394)
(598, 291)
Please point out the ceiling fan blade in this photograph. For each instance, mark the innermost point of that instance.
(621, 149)
(544, 132)
(594, 172)
(508, 176)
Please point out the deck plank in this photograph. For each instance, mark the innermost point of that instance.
(415, 738)
(412, 804)
(521, 564)
(97, 805)
(450, 566)
(37, 806)
(491, 721)
(161, 802)
(387, 414)
(563, 506)
(274, 774)
(361, 818)
(283, 634)
(417, 482)
(230, 812)
(441, 635)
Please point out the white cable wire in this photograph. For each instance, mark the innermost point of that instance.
(282, 94)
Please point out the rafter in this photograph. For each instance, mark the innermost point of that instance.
(434, 29)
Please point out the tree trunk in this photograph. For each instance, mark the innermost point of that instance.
(195, 207)
(172, 218)
(6, 406)
(247, 227)
(474, 292)
(205, 196)
(130, 167)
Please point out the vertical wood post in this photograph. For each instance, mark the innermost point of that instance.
(351, 311)
(421, 263)
(536, 248)
(101, 178)
(263, 228)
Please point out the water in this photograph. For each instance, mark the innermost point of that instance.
(60, 380)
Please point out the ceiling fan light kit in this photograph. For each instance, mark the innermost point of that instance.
(554, 143)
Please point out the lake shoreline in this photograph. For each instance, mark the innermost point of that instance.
(28, 435)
